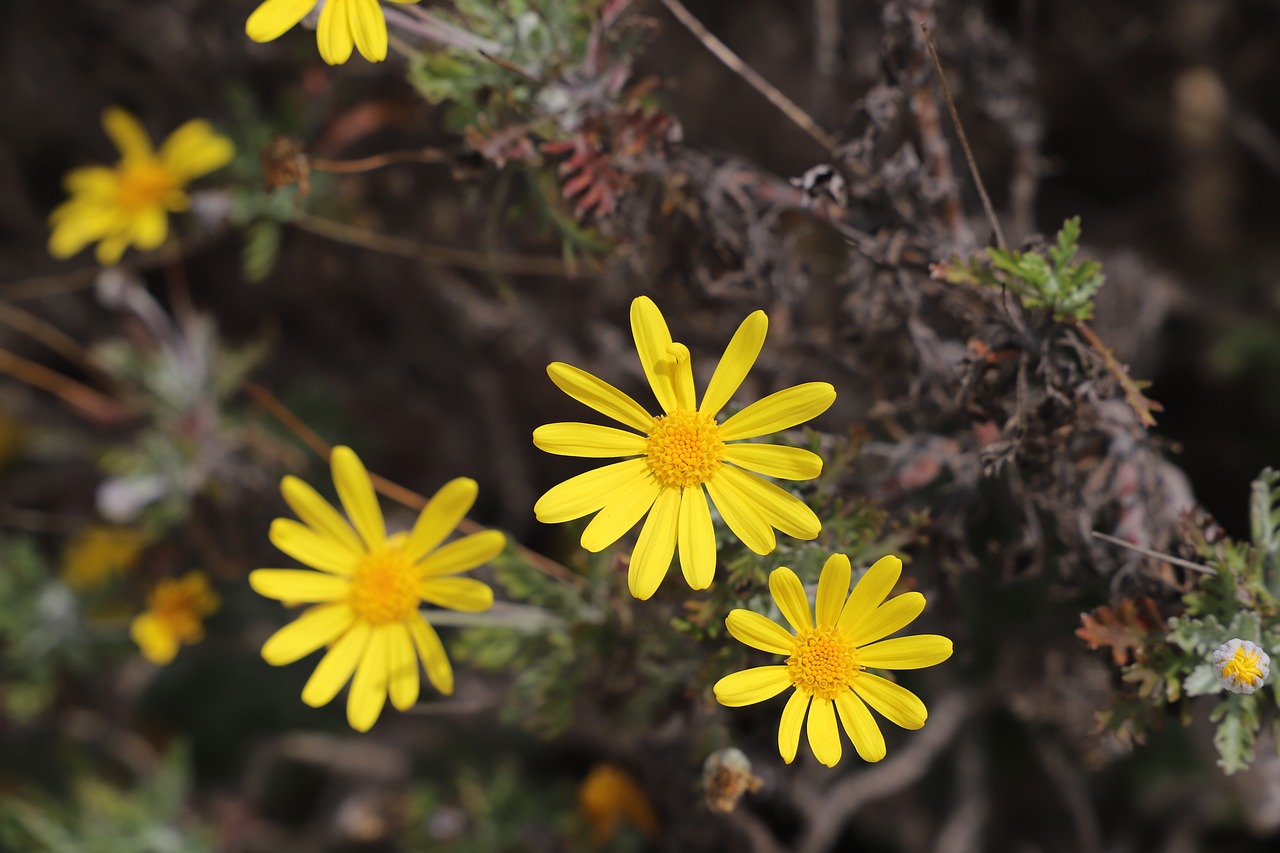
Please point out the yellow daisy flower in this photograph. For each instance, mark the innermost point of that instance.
(129, 204)
(175, 614)
(678, 453)
(343, 24)
(98, 552)
(828, 658)
(369, 587)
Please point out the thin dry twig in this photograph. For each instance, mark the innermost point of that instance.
(964, 139)
(94, 404)
(400, 494)
(735, 64)
(378, 161)
(445, 256)
(1142, 405)
(1155, 555)
(49, 335)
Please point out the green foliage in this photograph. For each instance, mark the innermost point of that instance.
(1057, 283)
(41, 631)
(1235, 598)
(103, 818)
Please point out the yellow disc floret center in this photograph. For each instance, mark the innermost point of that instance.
(1244, 668)
(384, 588)
(684, 449)
(823, 662)
(144, 185)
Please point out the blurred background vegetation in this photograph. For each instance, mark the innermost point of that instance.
(551, 160)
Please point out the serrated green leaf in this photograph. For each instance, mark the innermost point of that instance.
(1202, 681)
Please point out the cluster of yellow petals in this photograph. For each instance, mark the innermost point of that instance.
(684, 449)
(175, 614)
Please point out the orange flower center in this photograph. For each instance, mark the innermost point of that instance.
(385, 587)
(145, 184)
(181, 606)
(823, 662)
(684, 449)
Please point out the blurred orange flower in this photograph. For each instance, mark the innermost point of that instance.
(175, 615)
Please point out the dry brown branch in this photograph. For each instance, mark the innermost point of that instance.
(400, 494)
(1142, 405)
(735, 64)
(833, 809)
(933, 141)
(1155, 555)
(445, 256)
(49, 335)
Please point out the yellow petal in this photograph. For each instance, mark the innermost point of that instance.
(587, 440)
(652, 340)
(465, 594)
(317, 627)
(789, 595)
(127, 134)
(620, 515)
(759, 632)
(861, 727)
(431, 651)
(402, 668)
(790, 725)
(894, 615)
(299, 585)
(833, 587)
(656, 546)
(276, 17)
(334, 34)
(308, 547)
(775, 460)
(871, 589)
(586, 493)
(195, 150)
(111, 249)
(747, 524)
(751, 686)
(336, 666)
(678, 368)
(355, 489)
(318, 514)
(913, 652)
(369, 688)
(79, 226)
(441, 516)
(149, 228)
(97, 182)
(736, 362)
(824, 736)
(157, 643)
(599, 395)
(697, 538)
(780, 410)
(462, 554)
(898, 704)
(776, 506)
(369, 28)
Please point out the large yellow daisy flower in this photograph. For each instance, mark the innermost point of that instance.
(678, 453)
(129, 204)
(828, 658)
(369, 587)
(343, 24)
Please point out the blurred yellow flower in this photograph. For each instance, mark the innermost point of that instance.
(343, 24)
(175, 615)
(828, 658)
(99, 551)
(369, 587)
(609, 797)
(129, 203)
(678, 453)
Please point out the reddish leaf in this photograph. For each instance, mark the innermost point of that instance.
(1126, 628)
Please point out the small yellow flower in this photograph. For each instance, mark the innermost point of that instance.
(1241, 665)
(175, 615)
(828, 658)
(369, 587)
(99, 551)
(343, 24)
(680, 452)
(129, 204)
(609, 797)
